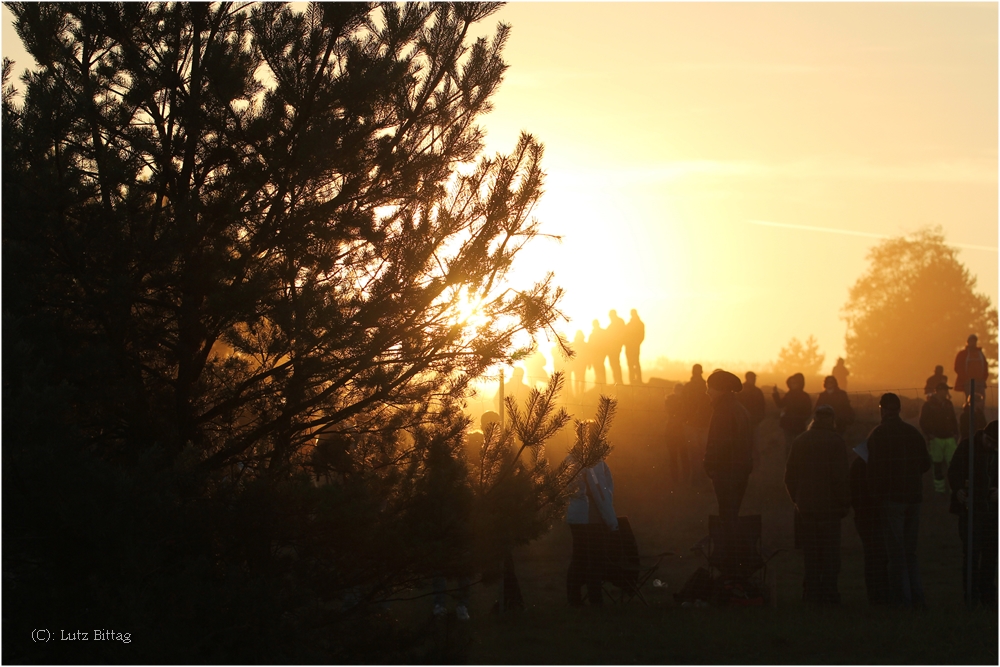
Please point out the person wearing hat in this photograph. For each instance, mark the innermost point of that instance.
(729, 448)
(897, 460)
(938, 422)
(970, 364)
(816, 478)
(984, 515)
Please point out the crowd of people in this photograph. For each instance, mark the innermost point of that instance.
(602, 350)
(716, 419)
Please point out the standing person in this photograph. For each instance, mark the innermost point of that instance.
(615, 341)
(840, 372)
(816, 478)
(984, 514)
(752, 398)
(597, 344)
(591, 518)
(937, 421)
(970, 364)
(698, 408)
(728, 456)
(930, 387)
(837, 399)
(635, 333)
(678, 457)
(729, 447)
(796, 408)
(868, 523)
(897, 460)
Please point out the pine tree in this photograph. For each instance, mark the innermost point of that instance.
(238, 243)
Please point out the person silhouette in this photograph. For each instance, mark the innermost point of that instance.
(840, 372)
(971, 364)
(577, 367)
(515, 388)
(796, 408)
(698, 407)
(635, 333)
(597, 346)
(535, 367)
(837, 399)
(678, 457)
(615, 341)
(560, 364)
(930, 387)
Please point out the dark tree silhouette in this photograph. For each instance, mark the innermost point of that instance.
(237, 243)
(913, 309)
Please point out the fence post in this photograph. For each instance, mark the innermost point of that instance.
(969, 498)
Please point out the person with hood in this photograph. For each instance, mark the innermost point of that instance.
(729, 447)
(897, 460)
(816, 479)
(937, 421)
(591, 517)
(796, 408)
(970, 364)
(837, 399)
(984, 514)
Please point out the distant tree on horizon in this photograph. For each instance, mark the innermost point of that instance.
(799, 357)
(913, 309)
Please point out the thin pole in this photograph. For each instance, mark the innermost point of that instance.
(972, 488)
(503, 563)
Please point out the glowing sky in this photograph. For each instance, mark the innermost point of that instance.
(673, 131)
(724, 168)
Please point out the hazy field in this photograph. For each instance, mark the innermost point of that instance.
(673, 519)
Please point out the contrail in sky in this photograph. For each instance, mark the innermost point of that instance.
(851, 232)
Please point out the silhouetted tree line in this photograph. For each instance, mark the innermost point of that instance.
(235, 242)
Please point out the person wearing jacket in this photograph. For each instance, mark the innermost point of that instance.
(591, 517)
(796, 408)
(868, 523)
(984, 515)
(816, 478)
(970, 364)
(837, 399)
(729, 448)
(937, 421)
(897, 460)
